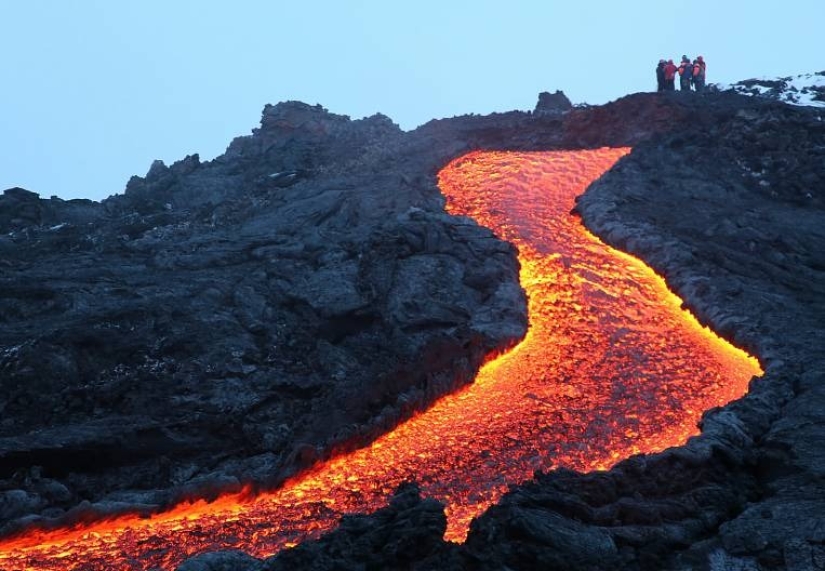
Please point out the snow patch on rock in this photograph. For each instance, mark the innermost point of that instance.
(806, 89)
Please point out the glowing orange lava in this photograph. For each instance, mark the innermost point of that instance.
(611, 367)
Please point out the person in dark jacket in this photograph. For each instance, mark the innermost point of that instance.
(660, 76)
(670, 75)
(685, 74)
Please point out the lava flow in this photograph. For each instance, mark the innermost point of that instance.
(611, 366)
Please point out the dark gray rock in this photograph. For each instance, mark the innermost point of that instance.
(213, 325)
(23, 211)
(741, 244)
(218, 324)
(220, 561)
(552, 103)
(401, 536)
(16, 503)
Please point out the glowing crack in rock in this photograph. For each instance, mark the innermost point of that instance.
(611, 367)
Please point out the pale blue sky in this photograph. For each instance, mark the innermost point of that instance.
(95, 90)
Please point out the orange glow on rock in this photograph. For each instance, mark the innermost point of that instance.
(610, 367)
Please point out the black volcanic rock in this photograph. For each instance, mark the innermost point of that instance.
(231, 560)
(552, 103)
(216, 325)
(401, 536)
(21, 210)
(237, 319)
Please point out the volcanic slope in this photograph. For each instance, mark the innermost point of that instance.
(234, 321)
(611, 366)
(720, 195)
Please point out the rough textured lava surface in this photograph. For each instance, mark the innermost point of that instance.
(239, 320)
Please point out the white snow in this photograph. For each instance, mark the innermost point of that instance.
(803, 84)
(10, 351)
(794, 90)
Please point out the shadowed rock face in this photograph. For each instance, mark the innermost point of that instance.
(237, 319)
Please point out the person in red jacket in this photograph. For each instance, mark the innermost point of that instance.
(670, 75)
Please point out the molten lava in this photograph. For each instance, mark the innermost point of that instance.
(611, 366)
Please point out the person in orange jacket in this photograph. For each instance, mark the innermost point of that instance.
(670, 75)
(699, 74)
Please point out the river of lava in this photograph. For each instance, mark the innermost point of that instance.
(611, 366)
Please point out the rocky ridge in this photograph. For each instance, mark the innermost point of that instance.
(728, 206)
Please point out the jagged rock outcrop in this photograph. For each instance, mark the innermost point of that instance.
(552, 103)
(23, 210)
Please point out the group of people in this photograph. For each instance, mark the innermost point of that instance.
(691, 74)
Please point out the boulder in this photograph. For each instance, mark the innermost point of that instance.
(552, 103)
